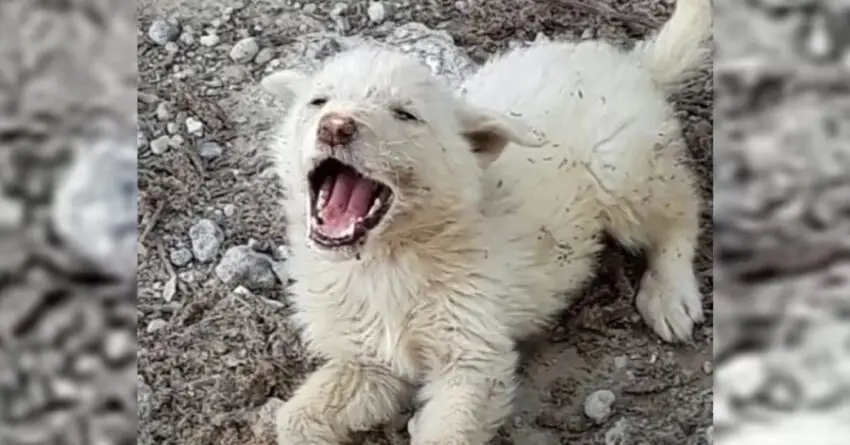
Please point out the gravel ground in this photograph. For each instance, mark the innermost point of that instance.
(782, 222)
(216, 351)
(67, 236)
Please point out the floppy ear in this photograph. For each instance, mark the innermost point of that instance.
(488, 132)
(285, 84)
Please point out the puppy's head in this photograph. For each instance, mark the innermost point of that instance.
(383, 151)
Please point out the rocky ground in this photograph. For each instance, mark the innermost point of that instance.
(216, 351)
(782, 222)
(67, 294)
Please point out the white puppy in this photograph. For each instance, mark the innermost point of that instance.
(430, 230)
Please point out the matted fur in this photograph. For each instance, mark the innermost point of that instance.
(501, 196)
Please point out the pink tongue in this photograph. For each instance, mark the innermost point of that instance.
(349, 200)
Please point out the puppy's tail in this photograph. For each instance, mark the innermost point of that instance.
(679, 47)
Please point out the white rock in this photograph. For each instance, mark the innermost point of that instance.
(206, 237)
(170, 289)
(160, 145)
(162, 32)
(210, 150)
(742, 376)
(156, 324)
(163, 112)
(245, 50)
(598, 406)
(180, 257)
(194, 126)
(210, 40)
(376, 12)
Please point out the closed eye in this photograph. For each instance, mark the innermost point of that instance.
(318, 101)
(404, 115)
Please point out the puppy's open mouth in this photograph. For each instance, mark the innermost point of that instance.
(344, 204)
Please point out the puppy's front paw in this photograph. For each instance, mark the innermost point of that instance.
(670, 307)
(295, 428)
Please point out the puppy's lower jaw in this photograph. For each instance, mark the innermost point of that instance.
(345, 205)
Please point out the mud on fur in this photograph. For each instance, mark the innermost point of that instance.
(431, 230)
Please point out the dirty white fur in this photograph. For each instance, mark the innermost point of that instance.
(480, 249)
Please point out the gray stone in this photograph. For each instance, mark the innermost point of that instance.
(264, 56)
(598, 406)
(618, 434)
(210, 40)
(206, 237)
(155, 325)
(160, 145)
(194, 126)
(180, 257)
(245, 50)
(240, 265)
(141, 140)
(163, 112)
(162, 32)
(94, 208)
(209, 150)
(11, 213)
(376, 12)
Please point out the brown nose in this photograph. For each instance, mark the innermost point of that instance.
(336, 129)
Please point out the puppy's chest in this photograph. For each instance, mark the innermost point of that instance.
(393, 325)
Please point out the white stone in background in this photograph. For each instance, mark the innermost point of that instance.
(11, 213)
(598, 406)
(210, 40)
(742, 376)
(245, 50)
(163, 112)
(377, 13)
(180, 257)
(162, 32)
(95, 204)
(206, 237)
(210, 150)
(160, 145)
(194, 126)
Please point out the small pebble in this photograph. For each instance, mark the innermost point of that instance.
(194, 126)
(210, 40)
(206, 237)
(598, 406)
(240, 265)
(617, 434)
(229, 210)
(172, 48)
(176, 141)
(264, 56)
(170, 289)
(155, 325)
(742, 376)
(162, 32)
(180, 257)
(376, 12)
(209, 150)
(338, 10)
(163, 112)
(141, 140)
(160, 145)
(245, 50)
(172, 127)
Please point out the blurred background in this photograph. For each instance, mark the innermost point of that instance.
(782, 222)
(67, 222)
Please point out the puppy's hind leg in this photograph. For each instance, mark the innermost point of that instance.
(663, 219)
